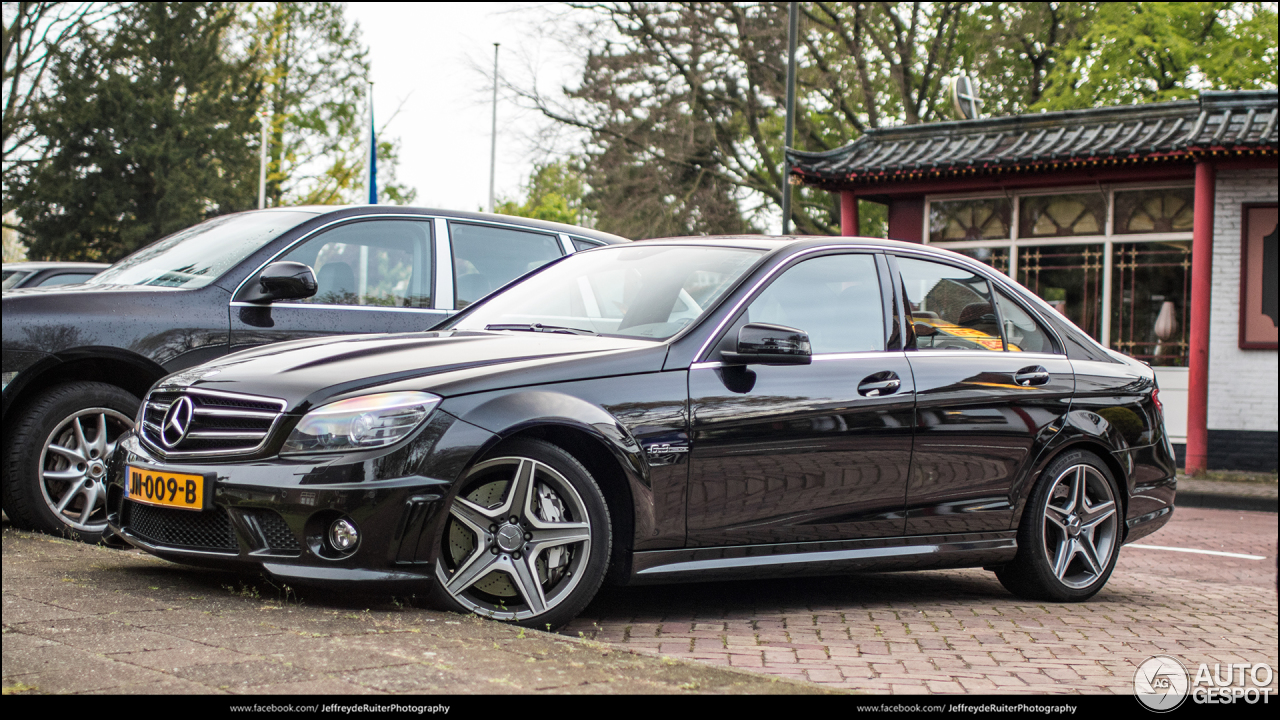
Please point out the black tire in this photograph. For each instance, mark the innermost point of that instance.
(1054, 561)
(494, 552)
(33, 483)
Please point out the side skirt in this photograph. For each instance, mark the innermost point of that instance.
(823, 558)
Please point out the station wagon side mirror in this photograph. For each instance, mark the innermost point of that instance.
(765, 344)
(284, 280)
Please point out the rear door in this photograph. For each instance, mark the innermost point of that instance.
(983, 405)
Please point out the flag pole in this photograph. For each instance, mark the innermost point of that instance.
(493, 133)
(373, 153)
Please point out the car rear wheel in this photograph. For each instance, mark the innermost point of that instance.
(526, 539)
(55, 465)
(1070, 533)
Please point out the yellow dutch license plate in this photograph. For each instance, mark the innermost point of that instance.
(166, 489)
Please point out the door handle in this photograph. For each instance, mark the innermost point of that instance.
(882, 383)
(1033, 375)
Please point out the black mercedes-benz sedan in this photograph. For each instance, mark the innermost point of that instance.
(665, 411)
(78, 358)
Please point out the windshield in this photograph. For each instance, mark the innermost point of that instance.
(197, 256)
(13, 277)
(640, 291)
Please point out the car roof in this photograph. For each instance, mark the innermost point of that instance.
(349, 210)
(51, 264)
(776, 242)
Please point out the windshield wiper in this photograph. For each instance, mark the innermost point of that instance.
(539, 327)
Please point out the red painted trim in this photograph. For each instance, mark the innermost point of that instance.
(1201, 289)
(848, 213)
(1016, 182)
(1244, 268)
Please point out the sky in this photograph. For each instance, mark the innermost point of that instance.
(434, 61)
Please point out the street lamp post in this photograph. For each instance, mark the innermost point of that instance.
(493, 135)
(264, 116)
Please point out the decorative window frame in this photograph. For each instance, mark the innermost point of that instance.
(1242, 343)
(1107, 239)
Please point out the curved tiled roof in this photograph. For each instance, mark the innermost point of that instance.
(1241, 122)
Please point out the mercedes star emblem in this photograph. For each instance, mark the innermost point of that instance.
(176, 422)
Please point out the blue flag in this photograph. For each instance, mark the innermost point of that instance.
(373, 158)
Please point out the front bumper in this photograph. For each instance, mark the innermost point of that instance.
(272, 515)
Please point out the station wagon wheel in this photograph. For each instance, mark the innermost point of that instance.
(58, 455)
(1070, 532)
(526, 539)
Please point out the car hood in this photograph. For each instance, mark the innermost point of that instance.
(306, 373)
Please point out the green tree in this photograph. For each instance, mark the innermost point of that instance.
(554, 192)
(149, 135)
(316, 70)
(1153, 51)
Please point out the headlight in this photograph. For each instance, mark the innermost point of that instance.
(361, 423)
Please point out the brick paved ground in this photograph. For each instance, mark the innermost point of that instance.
(959, 631)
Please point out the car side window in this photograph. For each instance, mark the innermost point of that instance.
(1021, 331)
(579, 244)
(66, 279)
(950, 307)
(486, 257)
(835, 299)
(378, 262)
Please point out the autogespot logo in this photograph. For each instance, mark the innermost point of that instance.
(1161, 683)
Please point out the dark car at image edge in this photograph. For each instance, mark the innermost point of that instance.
(77, 359)
(665, 411)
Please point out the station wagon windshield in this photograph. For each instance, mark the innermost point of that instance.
(197, 256)
(641, 291)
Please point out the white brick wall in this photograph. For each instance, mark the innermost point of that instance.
(1242, 383)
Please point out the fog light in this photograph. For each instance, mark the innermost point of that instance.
(343, 535)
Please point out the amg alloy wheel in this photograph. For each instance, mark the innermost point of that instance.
(527, 537)
(56, 469)
(1070, 534)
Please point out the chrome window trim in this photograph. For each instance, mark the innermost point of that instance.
(820, 357)
(711, 338)
(443, 261)
(319, 306)
(566, 245)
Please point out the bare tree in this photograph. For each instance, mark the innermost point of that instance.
(32, 32)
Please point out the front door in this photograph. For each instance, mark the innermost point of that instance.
(374, 276)
(805, 452)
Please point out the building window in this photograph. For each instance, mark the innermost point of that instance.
(1151, 282)
(984, 219)
(1154, 211)
(1115, 261)
(1068, 277)
(1059, 215)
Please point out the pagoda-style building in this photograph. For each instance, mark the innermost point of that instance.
(1152, 227)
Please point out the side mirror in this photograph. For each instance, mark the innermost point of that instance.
(765, 344)
(284, 280)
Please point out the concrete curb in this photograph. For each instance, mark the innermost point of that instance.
(1217, 501)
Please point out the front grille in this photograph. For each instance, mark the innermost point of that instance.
(272, 531)
(219, 423)
(168, 527)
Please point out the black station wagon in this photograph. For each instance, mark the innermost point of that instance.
(78, 358)
(665, 411)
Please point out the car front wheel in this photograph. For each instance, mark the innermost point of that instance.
(526, 539)
(56, 460)
(1070, 533)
